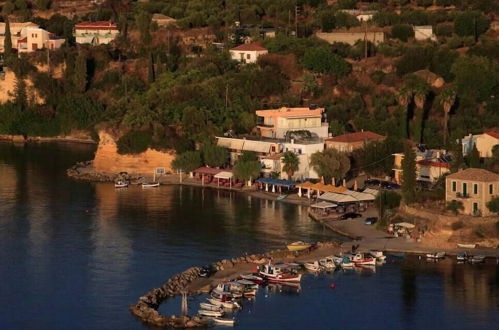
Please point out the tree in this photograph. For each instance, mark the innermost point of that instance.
(330, 163)
(495, 154)
(247, 167)
(214, 155)
(20, 94)
(409, 175)
(493, 205)
(7, 41)
(291, 163)
(457, 157)
(80, 73)
(143, 21)
(421, 91)
(479, 72)
(402, 32)
(150, 69)
(474, 157)
(387, 200)
(323, 61)
(471, 23)
(187, 161)
(455, 206)
(446, 99)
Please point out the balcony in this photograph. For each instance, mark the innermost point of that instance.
(461, 195)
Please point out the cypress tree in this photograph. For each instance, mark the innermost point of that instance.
(409, 175)
(80, 73)
(458, 158)
(474, 157)
(7, 46)
(150, 69)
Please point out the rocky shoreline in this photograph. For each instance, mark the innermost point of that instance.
(40, 139)
(191, 283)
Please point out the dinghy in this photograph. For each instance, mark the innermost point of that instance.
(436, 255)
(466, 246)
(312, 266)
(224, 304)
(120, 184)
(150, 185)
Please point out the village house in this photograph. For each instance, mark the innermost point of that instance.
(484, 143)
(424, 32)
(277, 123)
(96, 33)
(163, 20)
(248, 53)
(28, 37)
(360, 15)
(431, 164)
(352, 141)
(473, 187)
(351, 37)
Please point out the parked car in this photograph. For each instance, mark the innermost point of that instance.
(389, 185)
(350, 215)
(371, 220)
(207, 271)
(372, 182)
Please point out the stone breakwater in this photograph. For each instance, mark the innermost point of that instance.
(190, 282)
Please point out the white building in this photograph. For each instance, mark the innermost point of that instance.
(36, 38)
(424, 32)
(484, 143)
(96, 33)
(248, 53)
(360, 15)
(304, 151)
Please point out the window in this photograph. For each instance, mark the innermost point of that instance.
(454, 186)
(465, 189)
(248, 56)
(475, 188)
(491, 189)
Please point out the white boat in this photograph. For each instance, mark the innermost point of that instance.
(204, 312)
(253, 278)
(347, 263)
(477, 259)
(466, 246)
(436, 255)
(224, 321)
(224, 304)
(280, 273)
(363, 260)
(281, 197)
(150, 184)
(120, 184)
(210, 307)
(463, 256)
(247, 284)
(327, 263)
(378, 255)
(312, 266)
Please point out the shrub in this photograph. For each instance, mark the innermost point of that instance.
(444, 30)
(378, 76)
(480, 232)
(323, 61)
(493, 205)
(470, 23)
(455, 206)
(402, 32)
(134, 142)
(457, 225)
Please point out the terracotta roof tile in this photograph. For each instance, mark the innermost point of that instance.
(356, 137)
(255, 46)
(475, 174)
(425, 162)
(98, 24)
(493, 134)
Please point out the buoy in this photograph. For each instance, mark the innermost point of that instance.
(332, 286)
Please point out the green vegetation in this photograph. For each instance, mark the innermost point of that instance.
(330, 163)
(455, 206)
(187, 161)
(409, 175)
(493, 205)
(247, 167)
(213, 155)
(134, 142)
(291, 163)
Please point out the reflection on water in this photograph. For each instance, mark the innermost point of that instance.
(76, 254)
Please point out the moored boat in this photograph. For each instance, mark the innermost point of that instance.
(463, 256)
(362, 259)
(347, 263)
(204, 312)
(298, 246)
(120, 184)
(210, 307)
(281, 197)
(150, 184)
(378, 255)
(435, 255)
(224, 304)
(224, 321)
(280, 273)
(253, 278)
(312, 266)
(477, 259)
(466, 246)
(327, 263)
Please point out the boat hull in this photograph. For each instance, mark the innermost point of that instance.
(282, 277)
(298, 247)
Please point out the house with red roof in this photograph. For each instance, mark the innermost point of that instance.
(96, 33)
(248, 53)
(352, 141)
(484, 143)
(431, 164)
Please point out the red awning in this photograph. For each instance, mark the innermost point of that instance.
(207, 171)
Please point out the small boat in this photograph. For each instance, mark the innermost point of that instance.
(327, 263)
(120, 184)
(397, 255)
(253, 278)
(249, 292)
(150, 185)
(224, 304)
(280, 273)
(204, 312)
(347, 263)
(312, 266)
(361, 259)
(224, 321)
(210, 307)
(477, 259)
(298, 246)
(436, 255)
(463, 256)
(466, 246)
(378, 255)
(281, 197)
(247, 284)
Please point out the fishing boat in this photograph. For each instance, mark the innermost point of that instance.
(378, 255)
(150, 184)
(362, 259)
(312, 266)
(280, 273)
(477, 259)
(347, 263)
(224, 304)
(224, 321)
(231, 289)
(210, 307)
(327, 263)
(120, 184)
(435, 255)
(281, 197)
(466, 246)
(298, 246)
(253, 278)
(463, 256)
(204, 312)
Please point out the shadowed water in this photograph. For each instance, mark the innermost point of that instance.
(74, 255)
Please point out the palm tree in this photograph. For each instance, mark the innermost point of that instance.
(446, 100)
(421, 91)
(405, 97)
(291, 163)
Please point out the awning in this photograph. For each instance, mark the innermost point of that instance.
(230, 143)
(224, 175)
(257, 146)
(337, 198)
(305, 185)
(277, 182)
(371, 191)
(328, 188)
(207, 170)
(404, 225)
(323, 205)
(360, 196)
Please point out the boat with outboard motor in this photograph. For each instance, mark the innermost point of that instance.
(280, 272)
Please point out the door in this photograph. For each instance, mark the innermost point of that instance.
(475, 207)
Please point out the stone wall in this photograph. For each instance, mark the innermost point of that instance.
(107, 159)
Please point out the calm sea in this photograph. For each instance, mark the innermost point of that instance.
(75, 255)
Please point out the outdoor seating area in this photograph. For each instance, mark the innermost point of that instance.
(216, 177)
(275, 185)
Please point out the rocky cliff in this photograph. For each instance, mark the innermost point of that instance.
(107, 159)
